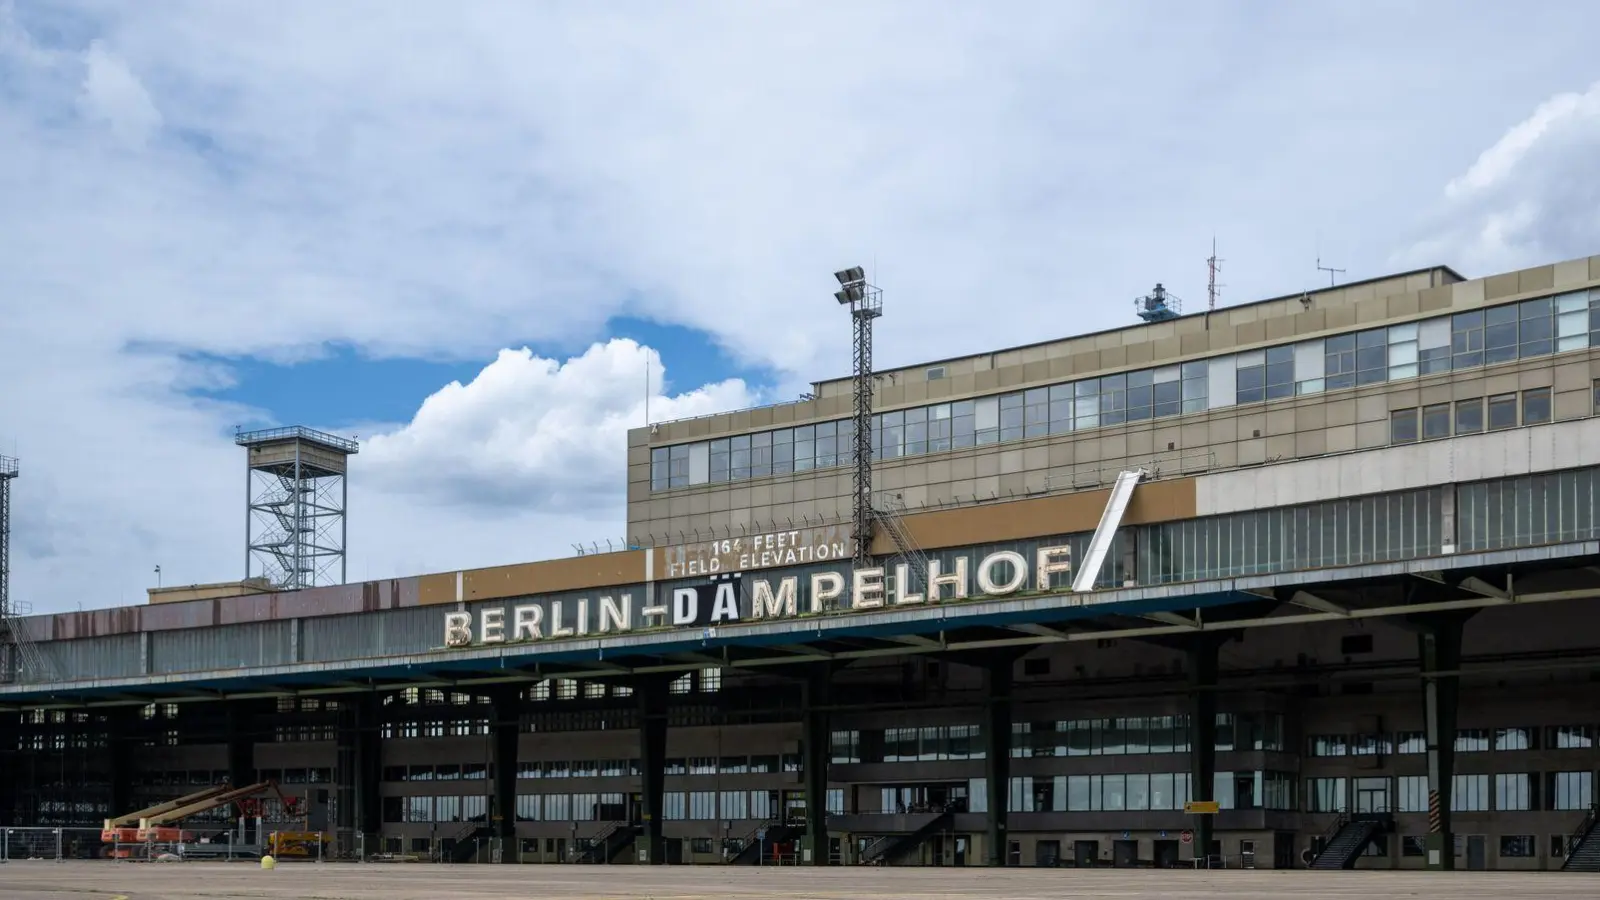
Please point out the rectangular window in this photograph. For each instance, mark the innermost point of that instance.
(1140, 394)
(761, 455)
(963, 423)
(1470, 794)
(1036, 412)
(1572, 322)
(805, 448)
(1472, 740)
(1512, 792)
(1086, 404)
(1403, 353)
(1326, 795)
(1436, 421)
(1466, 340)
(1339, 361)
(1061, 408)
(1469, 416)
(734, 805)
(1433, 346)
(1309, 363)
(1537, 330)
(1571, 790)
(1514, 846)
(1502, 411)
(1413, 793)
(1372, 356)
(986, 419)
(1571, 737)
(1250, 377)
(1011, 417)
(1413, 845)
(739, 457)
(1113, 399)
(1168, 391)
(1499, 334)
(658, 469)
(702, 805)
(783, 451)
(1536, 406)
(939, 428)
(1328, 745)
(1513, 739)
(1196, 376)
(718, 461)
(1403, 426)
(1221, 382)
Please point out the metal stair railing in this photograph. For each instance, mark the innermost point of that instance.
(907, 553)
(1581, 834)
(1110, 520)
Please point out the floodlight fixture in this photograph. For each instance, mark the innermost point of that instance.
(852, 275)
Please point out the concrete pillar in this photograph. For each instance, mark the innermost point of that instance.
(1439, 647)
(652, 691)
(507, 706)
(10, 767)
(1202, 668)
(997, 738)
(816, 743)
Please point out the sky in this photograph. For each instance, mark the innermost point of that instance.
(470, 234)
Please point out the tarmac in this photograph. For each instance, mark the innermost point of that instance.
(97, 880)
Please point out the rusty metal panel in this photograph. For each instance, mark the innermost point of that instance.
(321, 601)
(223, 647)
(385, 633)
(116, 656)
(168, 616)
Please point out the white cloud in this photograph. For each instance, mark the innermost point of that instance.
(1532, 197)
(447, 181)
(535, 433)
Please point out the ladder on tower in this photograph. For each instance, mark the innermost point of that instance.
(907, 552)
(1110, 521)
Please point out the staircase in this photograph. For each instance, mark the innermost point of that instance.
(468, 841)
(907, 553)
(608, 844)
(1346, 841)
(752, 852)
(1110, 521)
(1583, 846)
(885, 850)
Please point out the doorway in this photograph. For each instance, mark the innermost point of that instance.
(1125, 854)
(960, 856)
(1372, 795)
(1047, 854)
(1283, 850)
(1085, 854)
(1477, 853)
(1166, 854)
(1247, 854)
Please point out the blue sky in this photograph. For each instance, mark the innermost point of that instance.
(344, 389)
(473, 251)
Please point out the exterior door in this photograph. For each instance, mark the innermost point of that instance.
(1477, 852)
(1086, 853)
(1125, 854)
(1166, 854)
(961, 850)
(1047, 853)
(1372, 795)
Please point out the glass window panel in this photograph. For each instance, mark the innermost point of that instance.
(718, 461)
(658, 469)
(805, 445)
(1011, 417)
(1402, 426)
(783, 451)
(986, 419)
(1469, 416)
(1536, 406)
(1502, 411)
(1221, 382)
(1436, 421)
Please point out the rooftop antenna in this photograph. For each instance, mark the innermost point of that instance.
(1333, 274)
(1213, 266)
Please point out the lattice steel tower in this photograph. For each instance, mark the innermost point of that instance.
(866, 304)
(296, 496)
(9, 653)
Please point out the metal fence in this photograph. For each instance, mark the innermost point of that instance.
(50, 844)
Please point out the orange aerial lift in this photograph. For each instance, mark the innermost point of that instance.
(153, 825)
(117, 829)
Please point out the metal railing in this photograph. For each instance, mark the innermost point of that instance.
(291, 432)
(1581, 833)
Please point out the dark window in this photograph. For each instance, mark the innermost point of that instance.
(1355, 643)
(1516, 845)
(1037, 666)
(1403, 426)
(1139, 394)
(1502, 411)
(1372, 356)
(1280, 372)
(1466, 340)
(1436, 421)
(1535, 406)
(1499, 334)
(1339, 361)
(1538, 327)
(1469, 416)
(1413, 845)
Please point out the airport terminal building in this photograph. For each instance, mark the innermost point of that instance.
(1297, 582)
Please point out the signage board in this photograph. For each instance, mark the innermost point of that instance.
(732, 597)
(1201, 807)
(795, 547)
(1187, 837)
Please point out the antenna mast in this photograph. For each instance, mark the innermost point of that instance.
(1213, 265)
(1333, 274)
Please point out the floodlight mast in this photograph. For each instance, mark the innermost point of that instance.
(866, 303)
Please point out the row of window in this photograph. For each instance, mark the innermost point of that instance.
(1460, 342)
(1441, 420)
(1467, 740)
(208, 777)
(1505, 792)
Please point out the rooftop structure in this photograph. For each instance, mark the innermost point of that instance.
(296, 498)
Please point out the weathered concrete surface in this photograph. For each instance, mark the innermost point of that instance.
(307, 881)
